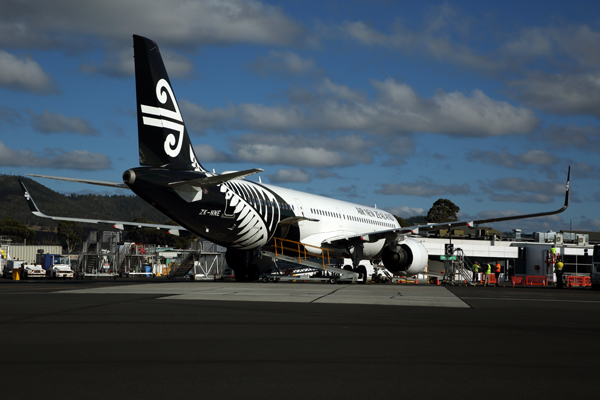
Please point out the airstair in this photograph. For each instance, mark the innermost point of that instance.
(313, 265)
(201, 261)
(459, 271)
(98, 255)
(183, 264)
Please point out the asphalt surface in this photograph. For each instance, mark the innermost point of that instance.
(77, 339)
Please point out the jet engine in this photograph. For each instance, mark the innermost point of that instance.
(406, 257)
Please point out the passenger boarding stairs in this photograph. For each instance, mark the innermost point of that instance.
(182, 265)
(186, 261)
(304, 262)
(460, 270)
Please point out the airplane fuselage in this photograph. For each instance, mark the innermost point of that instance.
(245, 215)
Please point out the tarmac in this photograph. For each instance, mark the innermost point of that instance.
(157, 338)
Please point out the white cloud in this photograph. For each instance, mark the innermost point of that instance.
(532, 42)
(363, 33)
(206, 153)
(54, 158)
(533, 157)
(397, 109)
(406, 212)
(515, 189)
(285, 63)
(10, 116)
(340, 92)
(579, 137)
(423, 188)
(48, 122)
(571, 94)
(284, 155)
(304, 150)
(119, 63)
(183, 22)
(294, 175)
(199, 120)
(24, 74)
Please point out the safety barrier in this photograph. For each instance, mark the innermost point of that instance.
(536, 280)
(582, 281)
(517, 280)
(492, 278)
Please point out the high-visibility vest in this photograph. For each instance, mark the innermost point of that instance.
(558, 267)
(498, 267)
(475, 267)
(489, 269)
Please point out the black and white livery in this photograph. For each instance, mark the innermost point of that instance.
(244, 215)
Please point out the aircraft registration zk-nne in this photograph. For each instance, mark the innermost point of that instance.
(243, 215)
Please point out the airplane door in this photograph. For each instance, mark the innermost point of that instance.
(341, 217)
(300, 212)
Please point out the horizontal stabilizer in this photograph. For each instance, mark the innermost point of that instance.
(120, 185)
(122, 225)
(191, 190)
(217, 179)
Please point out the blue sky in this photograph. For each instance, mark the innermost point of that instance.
(390, 103)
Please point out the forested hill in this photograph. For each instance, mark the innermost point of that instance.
(124, 207)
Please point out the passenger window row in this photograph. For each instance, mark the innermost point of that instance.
(351, 218)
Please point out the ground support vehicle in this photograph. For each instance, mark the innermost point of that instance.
(11, 268)
(33, 271)
(306, 271)
(61, 271)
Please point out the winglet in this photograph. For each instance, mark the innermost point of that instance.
(32, 206)
(542, 214)
(122, 225)
(567, 191)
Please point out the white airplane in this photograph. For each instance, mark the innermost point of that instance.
(243, 215)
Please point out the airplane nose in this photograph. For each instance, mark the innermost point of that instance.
(129, 177)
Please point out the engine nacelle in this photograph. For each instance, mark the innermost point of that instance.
(406, 258)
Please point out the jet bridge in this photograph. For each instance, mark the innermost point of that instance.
(304, 265)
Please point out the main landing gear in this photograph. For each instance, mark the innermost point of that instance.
(241, 262)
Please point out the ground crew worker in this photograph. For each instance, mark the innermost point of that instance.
(558, 270)
(497, 272)
(488, 272)
(475, 268)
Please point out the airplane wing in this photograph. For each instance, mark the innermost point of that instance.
(341, 241)
(120, 185)
(123, 225)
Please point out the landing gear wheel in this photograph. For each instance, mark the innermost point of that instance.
(362, 274)
(253, 273)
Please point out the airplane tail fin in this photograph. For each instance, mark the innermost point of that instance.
(163, 137)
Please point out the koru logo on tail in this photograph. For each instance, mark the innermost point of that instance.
(169, 119)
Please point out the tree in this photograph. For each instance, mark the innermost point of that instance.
(443, 210)
(11, 227)
(70, 232)
(401, 221)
